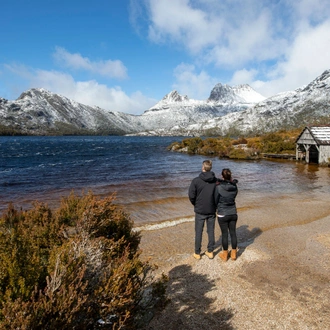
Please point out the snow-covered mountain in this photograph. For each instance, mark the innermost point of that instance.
(177, 112)
(297, 108)
(38, 111)
(243, 94)
(233, 110)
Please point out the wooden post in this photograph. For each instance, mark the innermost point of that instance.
(307, 153)
(297, 153)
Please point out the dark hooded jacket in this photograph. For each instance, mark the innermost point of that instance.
(201, 193)
(224, 197)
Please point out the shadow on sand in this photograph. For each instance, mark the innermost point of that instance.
(191, 307)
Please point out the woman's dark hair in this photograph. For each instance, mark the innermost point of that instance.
(226, 174)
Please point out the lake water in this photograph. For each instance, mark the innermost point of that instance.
(150, 182)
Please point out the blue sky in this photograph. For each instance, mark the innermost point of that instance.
(126, 55)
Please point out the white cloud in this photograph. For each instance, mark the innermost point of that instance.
(249, 41)
(194, 85)
(86, 92)
(311, 10)
(274, 45)
(307, 58)
(112, 98)
(227, 32)
(180, 22)
(108, 68)
(243, 77)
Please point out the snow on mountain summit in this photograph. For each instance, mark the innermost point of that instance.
(289, 109)
(221, 95)
(247, 93)
(175, 111)
(173, 99)
(38, 111)
(236, 94)
(174, 96)
(228, 109)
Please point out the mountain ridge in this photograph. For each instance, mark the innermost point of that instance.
(228, 109)
(284, 110)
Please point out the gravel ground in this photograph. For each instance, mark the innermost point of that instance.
(280, 280)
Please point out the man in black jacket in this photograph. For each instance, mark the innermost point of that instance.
(200, 194)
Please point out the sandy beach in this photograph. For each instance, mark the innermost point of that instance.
(280, 280)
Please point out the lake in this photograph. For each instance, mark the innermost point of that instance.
(150, 182)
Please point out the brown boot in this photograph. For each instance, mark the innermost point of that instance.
(197, 256)
(209, 254)
(233, 254)
(224, 255)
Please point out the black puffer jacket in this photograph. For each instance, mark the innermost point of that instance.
(201, 193)
(224, 196)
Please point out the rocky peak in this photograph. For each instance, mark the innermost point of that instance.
(172, 99)
(27, 94)
(33, 92)
(3, 101)
(174, 96)
(223, 94)
(321, 83)
(237, 94)
(324, 76)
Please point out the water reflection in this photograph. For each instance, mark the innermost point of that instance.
(281, 177)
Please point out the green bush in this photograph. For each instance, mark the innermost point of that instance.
(238, 153)
(193, 144)
(70, 268)
(240, 140)
(225, 147)
(215, 147)
(271, 137)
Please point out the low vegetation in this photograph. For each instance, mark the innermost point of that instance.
(77, 267)
(59, 129)
(281, 142)
(10, 131)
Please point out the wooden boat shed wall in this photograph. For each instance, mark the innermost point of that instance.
(313, 145)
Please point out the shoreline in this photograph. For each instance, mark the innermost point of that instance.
(279, 281)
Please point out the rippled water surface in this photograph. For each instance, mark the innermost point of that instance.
(150, 181)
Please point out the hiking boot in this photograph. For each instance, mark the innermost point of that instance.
(224, 255)
(233, 254)
(209, 254)
(197, 256)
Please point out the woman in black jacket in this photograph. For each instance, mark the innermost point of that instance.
(225, 195)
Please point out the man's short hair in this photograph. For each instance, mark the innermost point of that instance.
(207, 165)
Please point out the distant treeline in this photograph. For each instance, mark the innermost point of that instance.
(61, 129)
(10, 131)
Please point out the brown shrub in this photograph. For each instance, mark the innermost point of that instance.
(72, 268)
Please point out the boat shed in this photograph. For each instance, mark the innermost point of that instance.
(313, 145)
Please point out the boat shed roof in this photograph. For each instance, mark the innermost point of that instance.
(320, 134)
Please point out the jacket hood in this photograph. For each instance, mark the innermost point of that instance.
(228, 185)
(208, 176)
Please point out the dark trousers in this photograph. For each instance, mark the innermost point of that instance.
(228, 223)
(200, 219)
